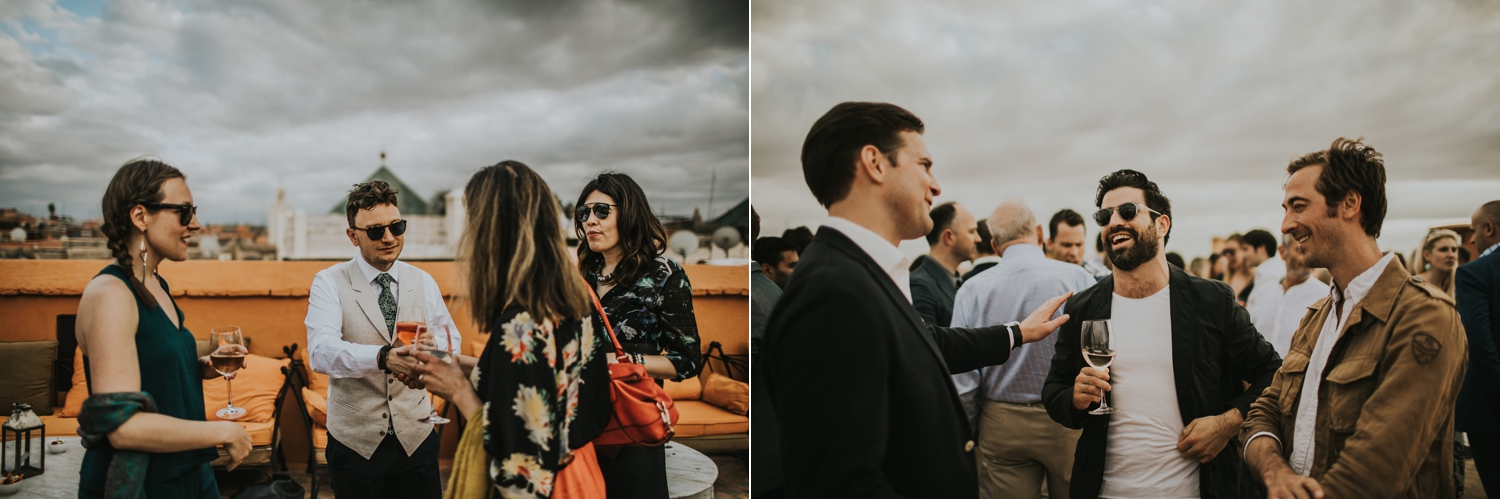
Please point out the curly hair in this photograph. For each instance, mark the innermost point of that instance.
(1349, 166)
(642, 237)
(369, 195)
(137, 182)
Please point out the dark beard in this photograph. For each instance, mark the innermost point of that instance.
(1142, 250)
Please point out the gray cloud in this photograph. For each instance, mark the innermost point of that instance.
(303, 95)
(1039, 100)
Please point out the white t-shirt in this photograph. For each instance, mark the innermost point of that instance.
(1141, 460)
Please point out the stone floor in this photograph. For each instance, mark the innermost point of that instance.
(733, 482)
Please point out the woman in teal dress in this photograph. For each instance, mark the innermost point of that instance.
(144, 422)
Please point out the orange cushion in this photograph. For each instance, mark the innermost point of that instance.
(320, 437)
(724, 391)
(318, 382)
(260, 432)
(688, 389)
(317, 406)
(254, 386)
(698, 419)
(476, 348)
(78, 391)
(56, 426)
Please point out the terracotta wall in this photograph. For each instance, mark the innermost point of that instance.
(268, 300)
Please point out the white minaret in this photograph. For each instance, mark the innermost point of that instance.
(277, 224)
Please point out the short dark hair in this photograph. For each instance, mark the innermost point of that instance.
(1213, 259)
(369, 195)
(1067, 216)
(1490, 212)
(1176, 259)
(832, 146)
(1261, 239)
(1131, 178)
(800, 237)
(754, 224)
(768, 250)
(942, 219)
(986, 246)
(1350, 165)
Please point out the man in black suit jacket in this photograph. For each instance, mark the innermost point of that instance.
(934, 279)
(860, 385)
(1202, 334)
(1478, 288)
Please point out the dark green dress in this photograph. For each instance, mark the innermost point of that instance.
(170, 374)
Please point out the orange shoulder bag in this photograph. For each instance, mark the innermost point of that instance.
(642, 412)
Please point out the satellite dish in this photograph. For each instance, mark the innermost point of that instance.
(726, 237)
(684, 243)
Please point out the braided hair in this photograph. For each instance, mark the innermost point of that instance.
(138, 182)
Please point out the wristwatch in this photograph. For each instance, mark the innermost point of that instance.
(380, 358)
(1014, 328)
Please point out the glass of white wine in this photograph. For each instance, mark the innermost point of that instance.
(1099, 353)
(228, 357)
(442, 356)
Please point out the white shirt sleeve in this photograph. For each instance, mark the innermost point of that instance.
(438, 318)
(327, 352)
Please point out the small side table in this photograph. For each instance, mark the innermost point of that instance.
(690, 474)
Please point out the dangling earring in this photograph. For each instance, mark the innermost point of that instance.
(143, 256)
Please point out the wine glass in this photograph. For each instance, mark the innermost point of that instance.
(1098, 352)
(228, 357)
(406, 331)
(442, 356)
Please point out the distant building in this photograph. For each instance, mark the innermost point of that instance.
(432, 229)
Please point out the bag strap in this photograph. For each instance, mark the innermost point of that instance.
(619, 352)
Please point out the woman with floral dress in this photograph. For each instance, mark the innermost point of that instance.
(541, 382)
(649, 302)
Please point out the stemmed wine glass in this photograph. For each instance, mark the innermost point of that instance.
(228, 357)
(1098, 352)
(442, 356)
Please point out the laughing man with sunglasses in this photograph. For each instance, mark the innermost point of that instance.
(376, 445)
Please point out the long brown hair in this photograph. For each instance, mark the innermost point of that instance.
(642, 238)
(513, 251)
(137, 182)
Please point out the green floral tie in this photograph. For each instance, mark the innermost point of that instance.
(387, 302)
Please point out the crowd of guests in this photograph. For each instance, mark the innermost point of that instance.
(535, 399)
(1307, 365)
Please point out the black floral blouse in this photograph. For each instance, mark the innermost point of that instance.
(540, 381)
(654, 315)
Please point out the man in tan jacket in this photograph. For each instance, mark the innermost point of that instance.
(1363, 404)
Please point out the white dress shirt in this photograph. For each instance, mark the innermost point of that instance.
(1307, 414)
(327, 351)
(1291, 306)
(1266, 293)
(887, 256)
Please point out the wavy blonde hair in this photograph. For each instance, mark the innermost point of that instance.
(513, 251)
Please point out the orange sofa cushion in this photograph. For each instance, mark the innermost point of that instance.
(255, 388)
(78, 390)
(317, 406)
(260, 431)
(688, 389)
(320, 437)
(698, 419)
(725, 392)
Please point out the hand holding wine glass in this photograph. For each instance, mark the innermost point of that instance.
(442, 356)
(1098, 352)
(228, 357)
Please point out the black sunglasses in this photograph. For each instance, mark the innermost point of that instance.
(1127, 213)
(377, 232)
(185, 211)
(600, 210)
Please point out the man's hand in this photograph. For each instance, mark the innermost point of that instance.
(1089, 386)
(236, 443)
(1205, 437)
(411, 382)
(400, 361)
(1290, 485)
(1263, 456)
(1037, 325)
(427, 341)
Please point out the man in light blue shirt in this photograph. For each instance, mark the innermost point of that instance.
(1019, 445)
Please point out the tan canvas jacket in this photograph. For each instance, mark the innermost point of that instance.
(1385, 407)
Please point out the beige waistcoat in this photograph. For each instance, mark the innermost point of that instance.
(361, 409)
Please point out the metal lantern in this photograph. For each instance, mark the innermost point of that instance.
(21, 423)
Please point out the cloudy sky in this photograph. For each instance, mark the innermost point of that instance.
(248, 96)
(1038, 100)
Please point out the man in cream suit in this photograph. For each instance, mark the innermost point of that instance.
(376, 446)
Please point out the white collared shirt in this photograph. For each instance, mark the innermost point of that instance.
(985, 259)
(1303, 429)
(1487, 252)
(887, 256)
(1291, 305)
(327, 351)
(1266, 294)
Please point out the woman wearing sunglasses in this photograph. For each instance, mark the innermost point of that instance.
(649, 302)
(144, 423)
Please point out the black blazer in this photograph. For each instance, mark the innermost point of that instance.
(932, 292)
(1215, 349)
(976, 270)
(1478, 288)
(862, 387)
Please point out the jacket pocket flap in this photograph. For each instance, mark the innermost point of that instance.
(1294, 363)
(1351, 370)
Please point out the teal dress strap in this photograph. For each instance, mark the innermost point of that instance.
(168, 358)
